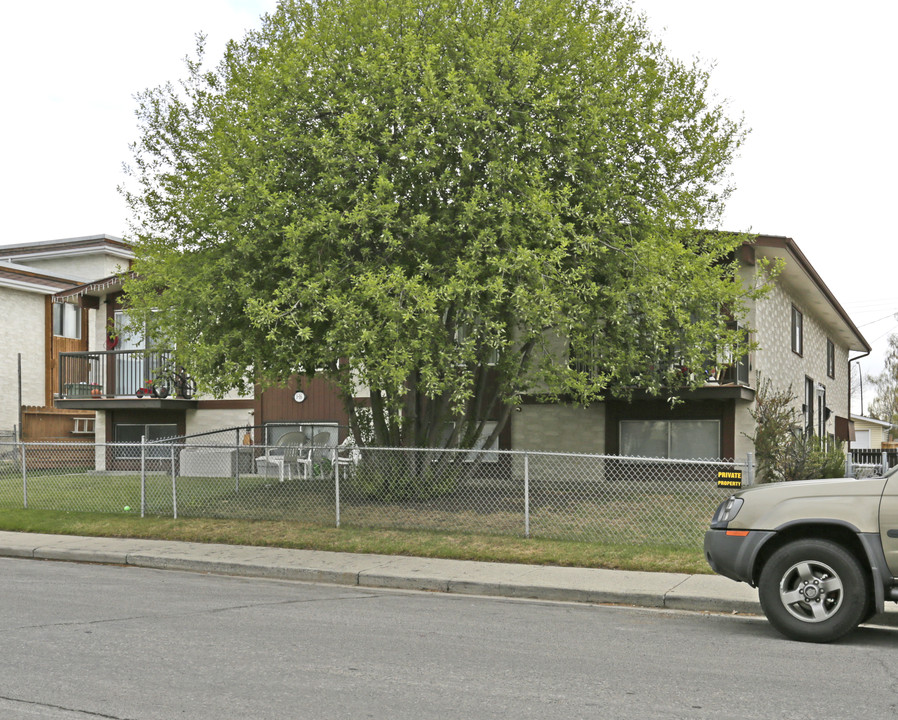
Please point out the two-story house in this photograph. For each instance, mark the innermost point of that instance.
(34, 330)
(804, 341)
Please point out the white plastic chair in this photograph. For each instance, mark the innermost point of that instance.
(292, 444)
(347, 454)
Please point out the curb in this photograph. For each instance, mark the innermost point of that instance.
(674, 591)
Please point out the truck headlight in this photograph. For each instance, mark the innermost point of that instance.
(726, 511)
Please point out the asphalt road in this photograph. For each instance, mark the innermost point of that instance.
(85, 641)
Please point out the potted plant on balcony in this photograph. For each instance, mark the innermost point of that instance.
(112, 335)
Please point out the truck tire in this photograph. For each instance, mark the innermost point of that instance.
(814, 590)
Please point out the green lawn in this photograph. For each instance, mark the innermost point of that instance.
(636, 526)
(347, 538)
(665, 513)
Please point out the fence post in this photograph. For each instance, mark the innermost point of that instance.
(526, 495)
(337, 485)
(849, 467)
(885, 462)
(237, 460)
(174, 485)
(24, 478)
(749, 470)
(143, 475)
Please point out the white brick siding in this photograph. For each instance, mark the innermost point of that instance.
(21, 331)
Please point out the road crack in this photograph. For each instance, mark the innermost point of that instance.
(77, 711)
(206, 611)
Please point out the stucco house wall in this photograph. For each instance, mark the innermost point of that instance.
(21, 331)
(785, 369)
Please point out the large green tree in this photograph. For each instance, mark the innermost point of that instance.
(451, 202)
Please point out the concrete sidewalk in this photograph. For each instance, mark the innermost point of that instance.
(702, 593)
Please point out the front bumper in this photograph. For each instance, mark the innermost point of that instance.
(733, 555)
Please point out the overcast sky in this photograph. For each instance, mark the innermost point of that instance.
(813, 80)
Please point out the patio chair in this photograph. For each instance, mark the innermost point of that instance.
(286, 454)
(294, 457)
(321, 448)
(347, 454)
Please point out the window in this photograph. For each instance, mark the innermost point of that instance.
(133, 369)
(83, 426)
(861, 439)
(319, 435)
(67, 320)
(797, 331)
(132, 434)
(808, 407)
(675, 439)
(830, 359)
(822, 415)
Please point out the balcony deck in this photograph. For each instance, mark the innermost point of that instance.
(104, 380)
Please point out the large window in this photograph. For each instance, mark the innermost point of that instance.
(676, 439)
(321, 437)
(133, 369)
(67, 320)
(797, 331)
(132, 434)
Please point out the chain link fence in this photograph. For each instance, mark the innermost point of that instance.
(532, 494)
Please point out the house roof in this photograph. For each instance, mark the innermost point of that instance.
(872, 421)
(806, 285)
(22, 252)
(19, 277)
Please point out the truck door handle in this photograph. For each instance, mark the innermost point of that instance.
(892, 533)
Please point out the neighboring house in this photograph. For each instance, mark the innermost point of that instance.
(107, 376)
(57, 299)
(869, 433)
(36, 330)
(804, 342)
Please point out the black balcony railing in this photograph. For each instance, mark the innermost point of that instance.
(115, 373)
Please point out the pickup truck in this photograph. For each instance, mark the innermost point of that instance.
(822, 553)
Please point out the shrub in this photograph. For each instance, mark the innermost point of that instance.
(782, 451)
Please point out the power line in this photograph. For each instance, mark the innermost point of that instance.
(873, 322)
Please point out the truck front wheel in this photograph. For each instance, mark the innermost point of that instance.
(813, 590)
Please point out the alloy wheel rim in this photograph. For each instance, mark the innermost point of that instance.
(811, 591)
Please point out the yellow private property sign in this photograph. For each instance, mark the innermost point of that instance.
(729, 478)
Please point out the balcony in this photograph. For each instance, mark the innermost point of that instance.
(111, 379)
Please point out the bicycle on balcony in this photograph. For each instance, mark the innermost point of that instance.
(175, 382)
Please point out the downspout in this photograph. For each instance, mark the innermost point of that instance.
(851, 360)
(21, 416)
